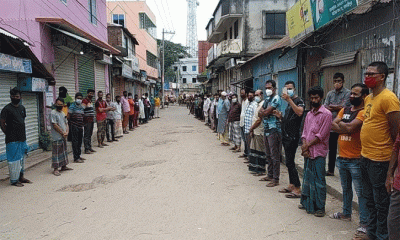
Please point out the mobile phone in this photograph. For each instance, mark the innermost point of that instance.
(284, 90)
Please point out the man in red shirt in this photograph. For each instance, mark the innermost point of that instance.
(131, 112)
(101, 116)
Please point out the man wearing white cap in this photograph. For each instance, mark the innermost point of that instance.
(222, 120)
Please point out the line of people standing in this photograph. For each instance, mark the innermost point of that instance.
(362, 125)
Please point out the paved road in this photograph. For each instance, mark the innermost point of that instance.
(169, 179)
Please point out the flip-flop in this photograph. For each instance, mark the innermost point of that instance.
(293, 195)
(285, 190)
(66, 169)
(265, 179)
(57, 173)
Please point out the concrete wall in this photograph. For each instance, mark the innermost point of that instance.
(131, 9)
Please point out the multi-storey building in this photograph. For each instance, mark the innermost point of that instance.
(186, 70)
(138, 18)
(240, 29)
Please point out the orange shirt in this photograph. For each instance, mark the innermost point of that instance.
(131, 106)
(350, 144)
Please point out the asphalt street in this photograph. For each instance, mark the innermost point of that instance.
(168, 179)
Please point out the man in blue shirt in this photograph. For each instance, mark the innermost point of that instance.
(272, 130)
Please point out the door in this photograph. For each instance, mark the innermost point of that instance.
(85, 73)
(65, 71)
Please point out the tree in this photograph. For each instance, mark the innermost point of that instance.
(173, 51)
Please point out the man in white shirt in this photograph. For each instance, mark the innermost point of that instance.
(245, 104)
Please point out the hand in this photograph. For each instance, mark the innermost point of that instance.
(389, 184)
(305, 147)
(277, 114)
(261, 113)
(65, 134)
(251, 133)
(306, 154)
(285, 97)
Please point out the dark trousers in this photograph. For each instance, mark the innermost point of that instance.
(246, 145)
(373, 175)
(77, 138)
(290, 148)
(273, 147)
(131, 120)
(394, 216)
(110, 129)
(333, 138)
(87, 135)
(135, 119)
(146, 114)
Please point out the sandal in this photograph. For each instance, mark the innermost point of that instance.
(319, 213)
(24, 180)
(293, 195)
(285, 190)
(273, 183)
(65, 168)
(265, 179)
(259, 174)
(56, 173)
(17, 184)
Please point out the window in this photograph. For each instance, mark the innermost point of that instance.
(236, 29)
(64, 1)
(226, 36)
(274, 24)
(92, 11)
(119, 19)
(146, 23)
(230, 33)
(183, 80)
(175, 69)
(151, 59)
(194, 68)
(184, 68)
(126, 42)
(194, 80)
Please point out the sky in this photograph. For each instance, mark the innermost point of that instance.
(172, 15)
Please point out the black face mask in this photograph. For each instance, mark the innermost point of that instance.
(356, 101)
(59, 107)
(315, 105)
(15, 101)
(251, 99)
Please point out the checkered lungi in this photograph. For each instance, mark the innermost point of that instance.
(101, 130)
(234, 133)
(257, 157)
(60, 154)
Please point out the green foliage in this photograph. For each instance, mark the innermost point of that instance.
(173, 51)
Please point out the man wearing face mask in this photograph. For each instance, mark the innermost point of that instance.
(59, 134)
(348, 124)
(118, 117)
(291, 124)
(315, 147)
(248, 120)
(272, 130)
(63, 94)
(222, 120)
(206, 108)
(245, 104)
(75, 118)
(110, 126)
(234, 123)
(101, 116)
(12, 122)
(334, 102)
(125, 111)
(378, 134)
(88, 121)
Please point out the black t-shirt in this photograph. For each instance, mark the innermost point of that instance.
(15, 123)
(291, 122)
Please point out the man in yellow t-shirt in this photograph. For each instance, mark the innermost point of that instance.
(378, 134)
(157, 103)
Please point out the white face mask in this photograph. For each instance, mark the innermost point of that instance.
(257, 99)
(234, 100)
(268, 92)
(78, 101)
(290, 92)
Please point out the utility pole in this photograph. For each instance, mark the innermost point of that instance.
(163, 65)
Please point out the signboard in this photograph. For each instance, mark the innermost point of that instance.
(31, 84)
(300, 20)
(38, 85)
(135, 64)
(49, 97)
(14, 64)
(127, 71)
(325, 11)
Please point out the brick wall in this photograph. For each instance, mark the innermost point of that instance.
(115, 36)
(204, 46)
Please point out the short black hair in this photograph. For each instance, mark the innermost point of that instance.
(108, 94)
(272, 82)
(129, 94)
(234, 95)
(290, 82)
(365, 89)
(146, 94)
(62, 89)
(382, 68)
(124, 92)
(90, 91)
(15, 91)
(117, 96)
(338, 75)
(316, 90)
(252, 91)
(60, 99)
(78, 94)
(99, 92)
(136, 95)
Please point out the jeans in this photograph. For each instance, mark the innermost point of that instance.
(77, 138)
(273, 147)
(333, 139)
(374, 191)
(87, 135)
(110, 129)
(350, 172)
(394, 216)
(290, 154)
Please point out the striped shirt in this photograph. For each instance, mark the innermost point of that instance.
(76, 115)
(89, 112)
(248, 117)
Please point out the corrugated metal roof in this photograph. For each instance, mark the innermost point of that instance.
(366, 6)
(339, 59)
(8, 34)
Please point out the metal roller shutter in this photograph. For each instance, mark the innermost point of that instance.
(29, 101)
(85, 73)
(7, 81)
(65, 72)
(100, 77)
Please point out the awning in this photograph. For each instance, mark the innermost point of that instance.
(152, 81)
(69, 27)
(242, 81)
(72, 35)
(339, 59)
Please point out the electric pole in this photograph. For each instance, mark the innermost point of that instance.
(163, 65)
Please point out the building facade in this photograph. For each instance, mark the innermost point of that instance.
(186, 70)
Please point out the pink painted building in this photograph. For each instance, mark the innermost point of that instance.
(141, 22)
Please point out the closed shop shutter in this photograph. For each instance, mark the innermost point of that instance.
(100, 77)
(29, 100)
(65, 72)
(85, 73)
(7, 81)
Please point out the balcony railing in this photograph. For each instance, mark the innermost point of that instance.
(226, 48)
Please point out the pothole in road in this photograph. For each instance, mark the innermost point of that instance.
(161, 142)
(102, 180)
(142, 164)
